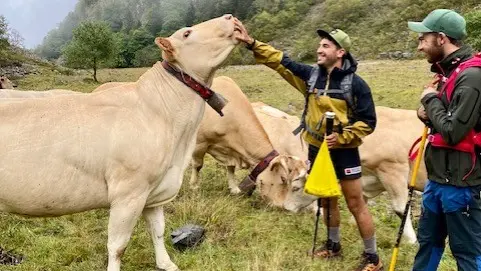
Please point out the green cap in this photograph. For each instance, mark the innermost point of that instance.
(442, 20)
(337, 35)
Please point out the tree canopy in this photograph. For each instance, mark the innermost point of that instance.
(375, 26)
(93, 44)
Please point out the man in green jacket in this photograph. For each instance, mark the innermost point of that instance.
(451, 198)
(332, 85)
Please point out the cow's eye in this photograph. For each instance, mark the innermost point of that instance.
(295, 189)
(187, 33)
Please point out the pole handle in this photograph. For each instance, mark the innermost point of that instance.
(329, 122)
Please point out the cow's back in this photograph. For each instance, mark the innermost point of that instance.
(279, 126)
(239, 121)
(238, 136)
(395, 133)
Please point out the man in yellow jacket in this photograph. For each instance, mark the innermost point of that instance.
(332, 85)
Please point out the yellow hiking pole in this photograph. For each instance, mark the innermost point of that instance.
(412, 183)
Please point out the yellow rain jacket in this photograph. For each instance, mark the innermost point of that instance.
(354, 119)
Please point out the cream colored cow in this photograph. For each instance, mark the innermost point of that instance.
(125, 148)
(279, 126)
(5, 83)
(238, 140)
(11, 93)
(384, 157)
(110, 85)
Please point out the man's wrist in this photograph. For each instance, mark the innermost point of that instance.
(250, 44)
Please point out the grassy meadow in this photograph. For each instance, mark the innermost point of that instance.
(242, 233)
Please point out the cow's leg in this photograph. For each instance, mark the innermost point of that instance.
(234, 189)
(394, 179)
(124, 213)
(154, 218)
(197, 163)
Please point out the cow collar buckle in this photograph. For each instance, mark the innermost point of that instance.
(248, 185)
(215, 100)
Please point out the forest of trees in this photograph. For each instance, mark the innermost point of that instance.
(375, 26)
(137, 23)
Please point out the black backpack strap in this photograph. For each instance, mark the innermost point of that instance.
(311, 83)
(345, 90)
(346, 87)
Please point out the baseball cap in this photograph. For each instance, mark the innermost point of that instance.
(442, 20)
(337, 35)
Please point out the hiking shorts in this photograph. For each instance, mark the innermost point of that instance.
(347, 162)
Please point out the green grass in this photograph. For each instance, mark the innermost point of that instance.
(242, 233)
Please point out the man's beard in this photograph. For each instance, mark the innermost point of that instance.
(328, 62)
(435, 54)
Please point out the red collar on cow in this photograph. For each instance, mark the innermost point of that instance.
(202, 90)
(263, 164)
(216, 101)
(248, 185)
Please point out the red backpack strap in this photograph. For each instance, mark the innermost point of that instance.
(448, 86)
(413, 154)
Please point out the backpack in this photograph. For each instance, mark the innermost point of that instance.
(345, 90)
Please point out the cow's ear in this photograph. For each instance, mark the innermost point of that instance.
(167, 48)
(280, 162)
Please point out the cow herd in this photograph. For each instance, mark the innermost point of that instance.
(126, 145)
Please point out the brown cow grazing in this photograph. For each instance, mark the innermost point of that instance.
(279, 126)
(239, 141)
(384, 158)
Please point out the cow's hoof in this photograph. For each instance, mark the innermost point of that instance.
(235, 190)
(173, 268)
(168, 266)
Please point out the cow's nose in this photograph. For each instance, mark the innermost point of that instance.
(228, 17)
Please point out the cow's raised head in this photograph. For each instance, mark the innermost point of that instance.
(5, 83)
(282, 183)
(199, 50)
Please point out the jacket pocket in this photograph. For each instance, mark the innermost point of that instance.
(436, 164)
(460, 165)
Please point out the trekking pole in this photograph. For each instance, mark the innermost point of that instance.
(316, 227)
(329, 126)
(412, 183)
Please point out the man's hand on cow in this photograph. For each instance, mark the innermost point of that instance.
(332, 140)
(242, 34)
